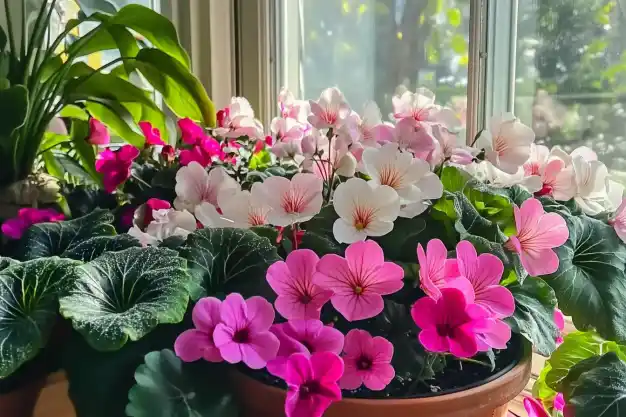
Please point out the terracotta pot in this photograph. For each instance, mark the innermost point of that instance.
(488, 400)
(21, 401)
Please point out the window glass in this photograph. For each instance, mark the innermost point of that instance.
(571, 75)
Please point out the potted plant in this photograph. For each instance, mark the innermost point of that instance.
(45, 77)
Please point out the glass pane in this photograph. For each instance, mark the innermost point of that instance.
(571, 75)
(370, 47)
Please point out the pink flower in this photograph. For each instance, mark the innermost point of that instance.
(618, 221)
(26, 217)
(197, 343)
(191, 132)
(98, 133)
(302, 336)
(312, 383)
(152, 134)
(448, 323)
(144, 214)
(490, 332)
(168, 153)
(243, 335)
(435, 269)
(559, 320)
(559, 402)
(367, 361)
(330, 110)
(359, 280)
(204, 152)
(534, 408)
(115, 166)
(416, 137)
(537, 233)
(293, 201)
(484, 273)
(292, 280)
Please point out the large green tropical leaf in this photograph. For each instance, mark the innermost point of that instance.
(599, 389)
(534, 314)
(167, 387)
(590, 283)
(226, 260)
(54, 239)
(28, 307)
(118, 119)
(124, 295)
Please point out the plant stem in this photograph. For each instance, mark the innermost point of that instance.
(40, 24)
(141, 181)
(23, 40)
(7, 12)
(477, 362)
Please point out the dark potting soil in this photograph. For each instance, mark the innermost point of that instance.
(456, 376)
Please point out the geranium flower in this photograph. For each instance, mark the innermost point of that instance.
(484, 273)
(419, 106)
(98, 133)
(292, 280)
(293, 201)
(551, 168)
(26, 217)
(415, 137)
(191, 132)
(204, 152)
(152, 134)
(447, 324)
(144, 214)
(115, 166)
(409, 176)
(237, 120)
(534, 408)
(537, 234)
(367, 361)
(436, 270)
(559, 402)
(507, 142)
(194, 185)
(359, 280)
(166, 223)
(240, 209)
(363, 211)
(292, 108)
(591, 185)
(303, 336)
(335, 160)
(448, 147)
(194, 344)
(168, 153)
(312, 383)
(243, 334)
(618, 221)
(559, 320)
(330, 110)
(490, 332)
(369, 129)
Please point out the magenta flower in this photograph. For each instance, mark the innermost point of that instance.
(302, 336)
(144, 214)
(490, 332)
(191, 132)
(367, 361)
(204, 152)
(484, 273)
(168, 153)
(359, 280)
(243, 335)
(115, 166)
(98, 133)
(152, 134)
(26, 217)
(194, 344)
(559, 402)
(312, 383)
(448, 323)
(559, 320)
(534, 408)
(436, 270)
(292, 280)
(537, 233)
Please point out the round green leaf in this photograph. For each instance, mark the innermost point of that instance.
(124, 295)
(590, 283)
(226, 260)
(28, 307)
(92, 248)
(167, 387)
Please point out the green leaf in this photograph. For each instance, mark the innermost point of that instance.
(28, 308)
(541, 390)
(320, 244)
(72, 111)
(227, 260)
(13, 109)
(92, 248)
(167, 387)
(400, 244)
(577, 347)
(84, 150)
(590, 283)
(454, 16)
(181, 90)
(125, 295)
(119, 120)
(54, 239)
(599, 391)
(454, 179)
(534, 314)
(322, 222)
(260, 160)
(51, 140)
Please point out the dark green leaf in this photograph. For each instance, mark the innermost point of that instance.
(227, 260)
(119, 120)
(534, 314)
(92, 248)
(322, 222)
(590, 283)
(269, 232)
(13, 109)
(400, 244)
(125, 295)
(167, 387)
(321, 245)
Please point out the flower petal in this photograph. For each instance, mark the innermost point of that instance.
(261, 348)
(206, 314)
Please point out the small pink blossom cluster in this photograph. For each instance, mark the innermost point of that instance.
(15, 227)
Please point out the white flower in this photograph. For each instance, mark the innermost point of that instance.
(330, 110)
(194, 186)
(238, 120)
(363, 210)
(288, 133)
(591, 179)
(166, 223)
(507, 142)
(292, 108)
(292, 201)
(420, 107)
(486, 172)
(368, 130)
(449, 146)
(409, 176)
(242, 209)
(551, 168)
(336, 158)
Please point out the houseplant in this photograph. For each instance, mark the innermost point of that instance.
(46, 77)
